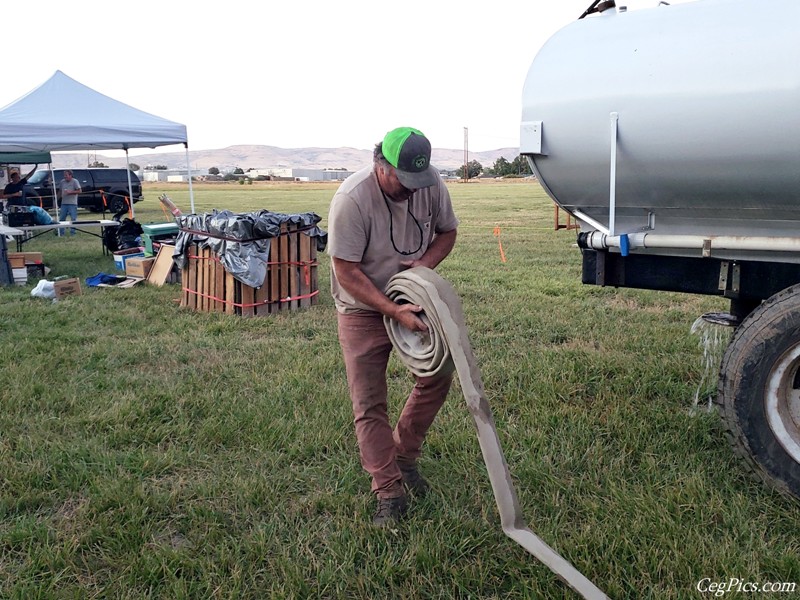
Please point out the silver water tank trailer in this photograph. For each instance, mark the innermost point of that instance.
(673, 135)
(679, 120)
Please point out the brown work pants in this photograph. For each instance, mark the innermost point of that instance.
(366, 348)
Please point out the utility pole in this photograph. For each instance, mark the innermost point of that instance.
(466, 154)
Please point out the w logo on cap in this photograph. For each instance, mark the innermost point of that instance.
(420, 162)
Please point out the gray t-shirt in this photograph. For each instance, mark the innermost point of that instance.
(69, 186)
(366, 227)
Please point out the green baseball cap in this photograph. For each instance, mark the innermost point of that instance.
(409, 152)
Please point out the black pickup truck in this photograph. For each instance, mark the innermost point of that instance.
(101, 189)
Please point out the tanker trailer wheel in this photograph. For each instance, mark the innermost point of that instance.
(759, 390)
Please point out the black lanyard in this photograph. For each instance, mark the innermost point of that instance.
(391, 229)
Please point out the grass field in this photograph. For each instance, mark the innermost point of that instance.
(151, 452)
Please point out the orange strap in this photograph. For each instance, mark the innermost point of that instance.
(241, 305)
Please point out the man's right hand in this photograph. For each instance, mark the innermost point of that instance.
(406, 315)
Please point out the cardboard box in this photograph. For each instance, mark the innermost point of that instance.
(120, 256)
(27, 257)
(139, 267)
(16, 262)
(67, 287)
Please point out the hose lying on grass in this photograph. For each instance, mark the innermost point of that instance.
(446, 345)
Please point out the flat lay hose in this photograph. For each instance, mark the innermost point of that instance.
(444, 347)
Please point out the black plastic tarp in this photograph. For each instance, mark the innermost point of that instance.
(242, 241)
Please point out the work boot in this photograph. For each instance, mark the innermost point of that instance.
(412, 480)
(390, 511)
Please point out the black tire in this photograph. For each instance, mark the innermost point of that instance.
(117, 204)
(759, 391)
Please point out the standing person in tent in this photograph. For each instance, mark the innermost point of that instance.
(69, 190)
(390, 216)
(14, 191)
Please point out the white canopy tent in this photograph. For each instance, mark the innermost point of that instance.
(63, 114)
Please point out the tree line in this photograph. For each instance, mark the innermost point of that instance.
(519, 167)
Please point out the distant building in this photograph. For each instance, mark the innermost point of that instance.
(281, 172)
(169, 175)
(322, 174)
(300, 174)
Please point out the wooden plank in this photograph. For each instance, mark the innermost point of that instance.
(268, 285)
(206, 280)
(192, 283)
(283, 243)
(203, 300)
(184, 280)
(274, 274)
(304, 243)
(219, 273)
(314, 282)
(198, 274)
(204, 288)
(211, 273)
(202, 285)
(230, 294)
(162, 266)
(262, 297)
(294, 271)
(212, 281)
(248, 297)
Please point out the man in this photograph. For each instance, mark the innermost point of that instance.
(387, 217)
(15, 189)
(69, 190)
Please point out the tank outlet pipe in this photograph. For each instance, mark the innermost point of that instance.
(598, 240)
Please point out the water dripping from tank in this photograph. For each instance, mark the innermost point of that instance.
(714, 332)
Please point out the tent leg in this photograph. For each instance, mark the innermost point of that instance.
(189, 171)
(130, 186)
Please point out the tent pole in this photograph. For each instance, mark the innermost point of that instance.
(130, 187)
(189, 171)
(55, 195)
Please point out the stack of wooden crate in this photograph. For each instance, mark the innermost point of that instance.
(290, 281)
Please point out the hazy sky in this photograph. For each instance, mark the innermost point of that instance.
(295, 73)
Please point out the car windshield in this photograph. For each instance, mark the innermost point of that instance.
(39, 177)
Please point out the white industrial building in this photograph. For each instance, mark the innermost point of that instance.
(170, 175)
(300, 174)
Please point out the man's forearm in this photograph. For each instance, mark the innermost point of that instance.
(358, 285)
(440, 248)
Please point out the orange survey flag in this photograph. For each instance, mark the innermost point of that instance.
(500, 244)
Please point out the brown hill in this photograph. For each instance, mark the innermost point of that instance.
(263, 157)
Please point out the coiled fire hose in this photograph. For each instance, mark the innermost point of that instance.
(444, 346)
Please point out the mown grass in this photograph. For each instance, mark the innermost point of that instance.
(151, 452)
